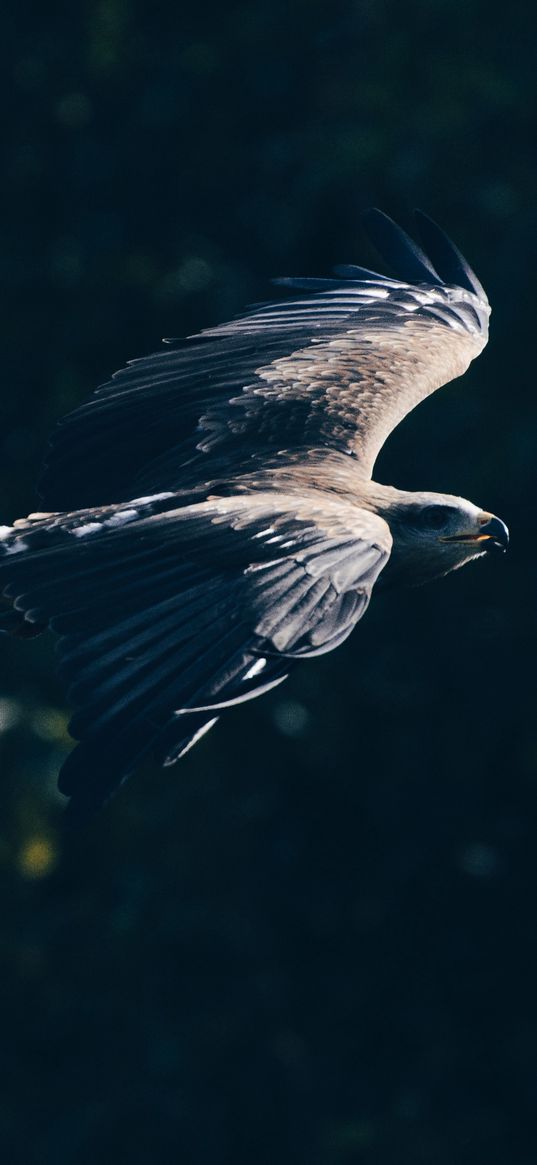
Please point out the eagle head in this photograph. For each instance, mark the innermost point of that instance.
(435, 533)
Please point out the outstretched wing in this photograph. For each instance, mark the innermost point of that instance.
(167, 617)
(337, 366)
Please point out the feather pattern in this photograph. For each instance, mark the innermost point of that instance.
(155, 638)
(336, 367)
(214, 517)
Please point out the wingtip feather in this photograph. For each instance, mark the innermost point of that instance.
(398, 249)
(447, 258)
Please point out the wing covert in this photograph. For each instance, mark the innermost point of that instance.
(338, 365)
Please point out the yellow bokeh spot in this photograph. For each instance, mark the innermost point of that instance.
(37, 857)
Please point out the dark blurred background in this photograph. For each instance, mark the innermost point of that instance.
(314, 940)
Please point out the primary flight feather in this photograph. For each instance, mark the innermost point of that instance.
(211, 515)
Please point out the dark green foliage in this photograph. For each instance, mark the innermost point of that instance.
(314, 940)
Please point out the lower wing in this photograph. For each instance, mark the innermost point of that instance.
(166, 616)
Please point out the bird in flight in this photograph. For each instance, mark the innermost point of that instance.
(211, 513)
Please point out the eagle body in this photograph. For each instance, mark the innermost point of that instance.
(210, 516)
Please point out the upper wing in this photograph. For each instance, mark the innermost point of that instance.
(338, 366)
(167, 617)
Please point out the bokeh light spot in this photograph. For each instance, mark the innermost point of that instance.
(51, 724)
(37, 857)
(10, 714)
(291, 718)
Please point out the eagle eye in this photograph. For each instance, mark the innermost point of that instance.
(436, 517)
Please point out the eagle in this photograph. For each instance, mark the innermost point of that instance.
(209, 518)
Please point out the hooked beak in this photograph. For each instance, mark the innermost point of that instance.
(492, 534)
